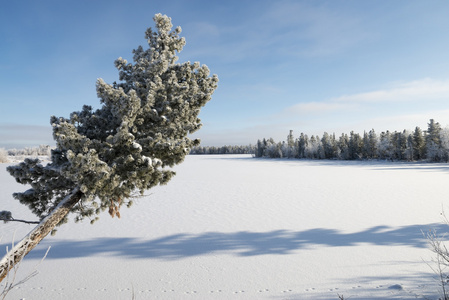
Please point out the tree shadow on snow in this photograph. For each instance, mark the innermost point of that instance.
(244, 243)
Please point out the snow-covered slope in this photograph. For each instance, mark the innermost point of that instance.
(236, 227)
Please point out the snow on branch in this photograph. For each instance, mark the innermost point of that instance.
(6, 216)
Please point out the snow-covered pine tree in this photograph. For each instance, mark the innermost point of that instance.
(366, 154)
(302, 145)
(433, 141)
(290, 145)
(373, 144)
(444, 139)
(326, 142)
(385, 145)
(409, 151)
(355, 146)
(419, 144)
(399, 142)
(259, 149)
(343, 145)
(104, 156)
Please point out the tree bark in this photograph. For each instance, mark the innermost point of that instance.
(16, 254)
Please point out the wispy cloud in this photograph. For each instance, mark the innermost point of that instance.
(424, 89)
(319, 29)
(319, 107)
(417, 91)
(281, 28)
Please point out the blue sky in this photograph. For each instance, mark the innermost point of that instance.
(309, 66)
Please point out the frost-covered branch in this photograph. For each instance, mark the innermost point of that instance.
(6, 216)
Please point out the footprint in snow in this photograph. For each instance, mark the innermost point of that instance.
(396, 287)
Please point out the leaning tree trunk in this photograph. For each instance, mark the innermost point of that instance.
(16, 254)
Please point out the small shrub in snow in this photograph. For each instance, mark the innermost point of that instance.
(3, 156)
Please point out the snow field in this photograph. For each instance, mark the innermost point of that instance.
(236, 227)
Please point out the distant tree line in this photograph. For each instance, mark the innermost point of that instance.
(32, 151)
(223, 150)
(42, 150)
(431, 144)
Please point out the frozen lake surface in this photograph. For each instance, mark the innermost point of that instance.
(237, 227)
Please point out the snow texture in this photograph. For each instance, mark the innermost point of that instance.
(236, 227)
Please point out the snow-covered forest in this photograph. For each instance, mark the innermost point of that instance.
(249, 149)
(30, 151)
(16, 155)
(431, 144)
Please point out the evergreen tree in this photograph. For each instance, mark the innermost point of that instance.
(319, 148)
(343, 145)
(104, 156)
(433, 132)
(433, 141)
(385, 145)
(409, 151)
(290, 151)
(328, 149)
(373, 144)
(365, 149)
(419, 144)
(355, 146)
(302, 145)
(259, 149)
(399, 142)
(335, 150)
(312, 148)
(444, 144)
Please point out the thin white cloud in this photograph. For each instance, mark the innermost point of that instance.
(318, 29)
(409, 121)
(283, 28)
(318, 107)
(424, 89)
(420, 91)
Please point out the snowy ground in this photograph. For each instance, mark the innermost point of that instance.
(236, 227)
